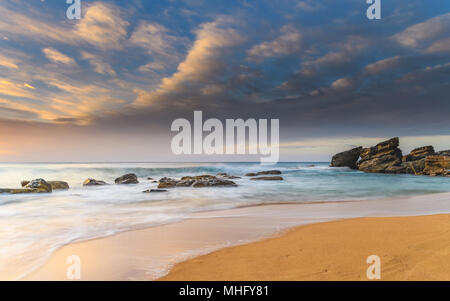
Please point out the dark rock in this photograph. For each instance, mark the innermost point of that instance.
(154, 190)
(130, 178)
(39, 185)
(24, 183)
(149, 178)
(17, 191)
(347, 158)
(380, 157)
(251, 174)
(93, 182)
(419, 153)
(59, 185)
(269, 172)
(267, 179)
(227, 176)
(196, 181)
(415, 167)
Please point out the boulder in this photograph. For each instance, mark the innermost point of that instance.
(251, 174)
(24, 183)
(196, 181)
(267, 179)
(347, 158)
(437, 165)
(130, 178)
(419, 153)
(154, 190)
(269, 172)
(381, 158)
(59, 185)
(93, 182)
(39, 186)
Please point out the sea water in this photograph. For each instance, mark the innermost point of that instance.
(33, 226)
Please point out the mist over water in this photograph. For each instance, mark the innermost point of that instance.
(32, 226)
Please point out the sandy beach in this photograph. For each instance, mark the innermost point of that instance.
(410, 248)
(321, 241)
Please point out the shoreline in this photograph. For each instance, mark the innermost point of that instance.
(150, 253)
(413, 248)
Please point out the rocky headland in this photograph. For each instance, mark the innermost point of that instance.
(387, 157)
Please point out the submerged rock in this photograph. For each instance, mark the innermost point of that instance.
(195, 181)
(39, 186)
(93, 182)
(347, 159)
(381, 158)
(154, 190)
(267, 179)
(17, 190)
(261, 173)
(130, 178)
(251, 174)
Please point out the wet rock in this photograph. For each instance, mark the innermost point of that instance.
(130, 178)
(381, 158)
(267, 179)
(149, 178)
(59, 185)
(17, 190)
(269, 172)
(154, 190)
(93, 182)
(24, 183)
(227, 176)
(347, 159)
(39, 186)
(443, 153)
(419, 153)
(415, 167)
(195, 181)
(251, 174)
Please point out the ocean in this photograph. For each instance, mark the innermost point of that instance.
(34, 226)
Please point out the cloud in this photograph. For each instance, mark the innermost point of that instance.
(10, 88)
(383, 65)
(309, 5)
(99, 65)
(440, 46)
(8, 62)
(415, 35)
(203, 63)
(57, 57)
(288, 42)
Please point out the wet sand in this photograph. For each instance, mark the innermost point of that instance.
(148, 254)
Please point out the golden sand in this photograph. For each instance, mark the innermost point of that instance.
(410, 248)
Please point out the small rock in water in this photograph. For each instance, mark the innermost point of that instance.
(130, 178)
(196, 181)
(39, 185)
(269, 172)
(267, 179)
(93, 182)
(154, 190)
(149, 178)
(59, 185)
(24, 183)
(251, 174)
(227, 176)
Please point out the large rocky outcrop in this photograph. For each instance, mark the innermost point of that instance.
(347, 159)
(419, 153)
(437, 166)
(196, 181)
(384, 157)
(130, 178)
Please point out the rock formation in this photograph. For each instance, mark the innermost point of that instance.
(437, 166)
(196, 181)
(130, 178)
(347, 158)
(263, 173)
(39, 186)
(419, 153)
(384, 157)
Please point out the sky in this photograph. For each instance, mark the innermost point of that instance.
(108, 86)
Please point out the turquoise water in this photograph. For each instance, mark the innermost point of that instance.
(32, 226)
